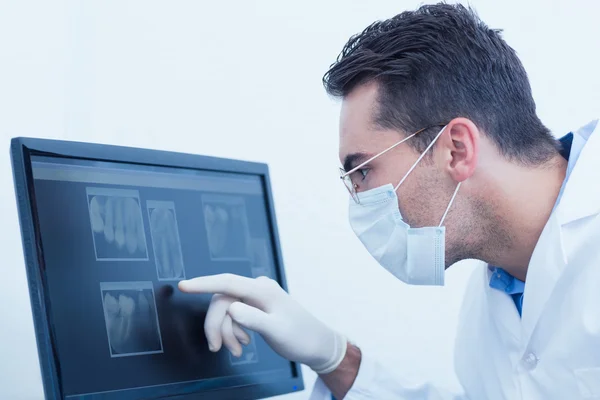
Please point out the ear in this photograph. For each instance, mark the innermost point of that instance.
(459, 148)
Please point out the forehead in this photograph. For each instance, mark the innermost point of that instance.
(358, 133)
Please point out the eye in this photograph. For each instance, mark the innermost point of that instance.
(363, 173)
(359, 175)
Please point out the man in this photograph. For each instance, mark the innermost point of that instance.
(446, 160)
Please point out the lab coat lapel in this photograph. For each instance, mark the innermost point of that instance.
(581, 198)
(547, 264)
(505, 315)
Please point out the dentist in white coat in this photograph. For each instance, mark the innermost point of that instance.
(445, 159)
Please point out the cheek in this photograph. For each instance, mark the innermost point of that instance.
(420, 200)
(380, 178)
(389, 173)
(411, 206)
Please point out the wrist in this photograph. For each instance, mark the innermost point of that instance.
(340, 346)
(340, 381)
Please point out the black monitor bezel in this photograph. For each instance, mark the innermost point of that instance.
(21, 150)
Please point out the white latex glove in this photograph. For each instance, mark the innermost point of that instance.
(263, 306)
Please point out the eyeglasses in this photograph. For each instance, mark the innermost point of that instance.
(346, 176)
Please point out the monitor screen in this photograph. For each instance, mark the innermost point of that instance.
(113, 240)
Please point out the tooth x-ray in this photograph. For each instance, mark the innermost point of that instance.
(165, 240)
(117, 224)
(227, 227)
(131, 319)
(249, 353)
(261, 264)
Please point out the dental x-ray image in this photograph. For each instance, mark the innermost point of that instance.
(117, 224)
(249, 353)
(227, 227)
(261, 264)
(165, 240)
(131, 319)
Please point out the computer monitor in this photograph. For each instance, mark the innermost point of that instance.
(108, 232)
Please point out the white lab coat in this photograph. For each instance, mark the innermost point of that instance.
(553, 351)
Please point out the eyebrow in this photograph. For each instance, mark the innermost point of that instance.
(354, 159)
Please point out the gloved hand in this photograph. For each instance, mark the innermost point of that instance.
(263, 306)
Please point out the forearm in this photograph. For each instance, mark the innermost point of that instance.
(341, 380)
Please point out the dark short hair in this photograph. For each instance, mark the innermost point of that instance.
(440, 62)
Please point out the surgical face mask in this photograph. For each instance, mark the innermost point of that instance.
(414, 255)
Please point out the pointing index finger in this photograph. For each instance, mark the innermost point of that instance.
(227, 284)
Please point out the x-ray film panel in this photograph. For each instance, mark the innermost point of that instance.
(103, 191)
(226, 223)
(117, 225)
(261, 264)
(166, 241)
(127, 285)
(130, 318)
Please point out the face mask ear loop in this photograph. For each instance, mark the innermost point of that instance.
(420, 157)
(450, 203)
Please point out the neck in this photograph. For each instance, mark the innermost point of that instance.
(523, 201)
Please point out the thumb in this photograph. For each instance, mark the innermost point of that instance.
(250, 317)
